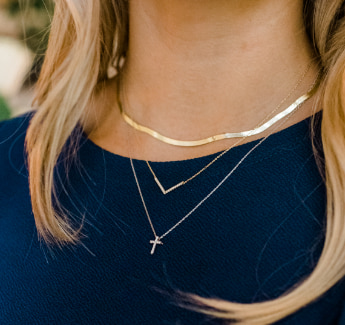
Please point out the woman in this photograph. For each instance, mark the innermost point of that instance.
(103, 221)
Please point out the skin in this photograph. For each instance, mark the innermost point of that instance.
(197, 68)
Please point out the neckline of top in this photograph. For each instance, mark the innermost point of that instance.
(86, 141)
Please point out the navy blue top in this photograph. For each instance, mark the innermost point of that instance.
(258, 235)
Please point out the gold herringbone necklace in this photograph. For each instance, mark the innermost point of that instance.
(263, 125)
(193, 143)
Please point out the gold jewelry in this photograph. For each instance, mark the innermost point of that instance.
(158, 239)
(164, 191)
(193, 143)
(298, 103)
(283, 114)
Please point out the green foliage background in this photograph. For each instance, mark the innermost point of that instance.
(33, 18)
(5, 112)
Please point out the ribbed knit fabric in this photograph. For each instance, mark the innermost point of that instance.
(257, 236)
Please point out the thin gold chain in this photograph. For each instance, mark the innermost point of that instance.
(164, 191)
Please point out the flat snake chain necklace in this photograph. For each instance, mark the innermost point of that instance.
(158, 239)
(278, 117)
(193, 143)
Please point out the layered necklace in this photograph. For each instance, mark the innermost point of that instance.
(266, 123)
(158, 238)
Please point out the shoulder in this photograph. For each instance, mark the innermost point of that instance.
(12, 127)
(12, 145)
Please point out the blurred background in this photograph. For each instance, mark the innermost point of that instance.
(24, 31)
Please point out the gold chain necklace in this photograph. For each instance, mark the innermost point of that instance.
(158, 239)
(263, 126)
(292, 107)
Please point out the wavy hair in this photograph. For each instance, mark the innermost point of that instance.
(86, 37)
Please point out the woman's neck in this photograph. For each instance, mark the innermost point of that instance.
(200, 67)
(197, 61)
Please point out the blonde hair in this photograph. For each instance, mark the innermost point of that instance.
(86, 36)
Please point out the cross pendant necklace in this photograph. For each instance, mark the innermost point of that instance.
(158, 239)
(154, 243)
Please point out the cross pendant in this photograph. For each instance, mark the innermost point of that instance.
(155, 243)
